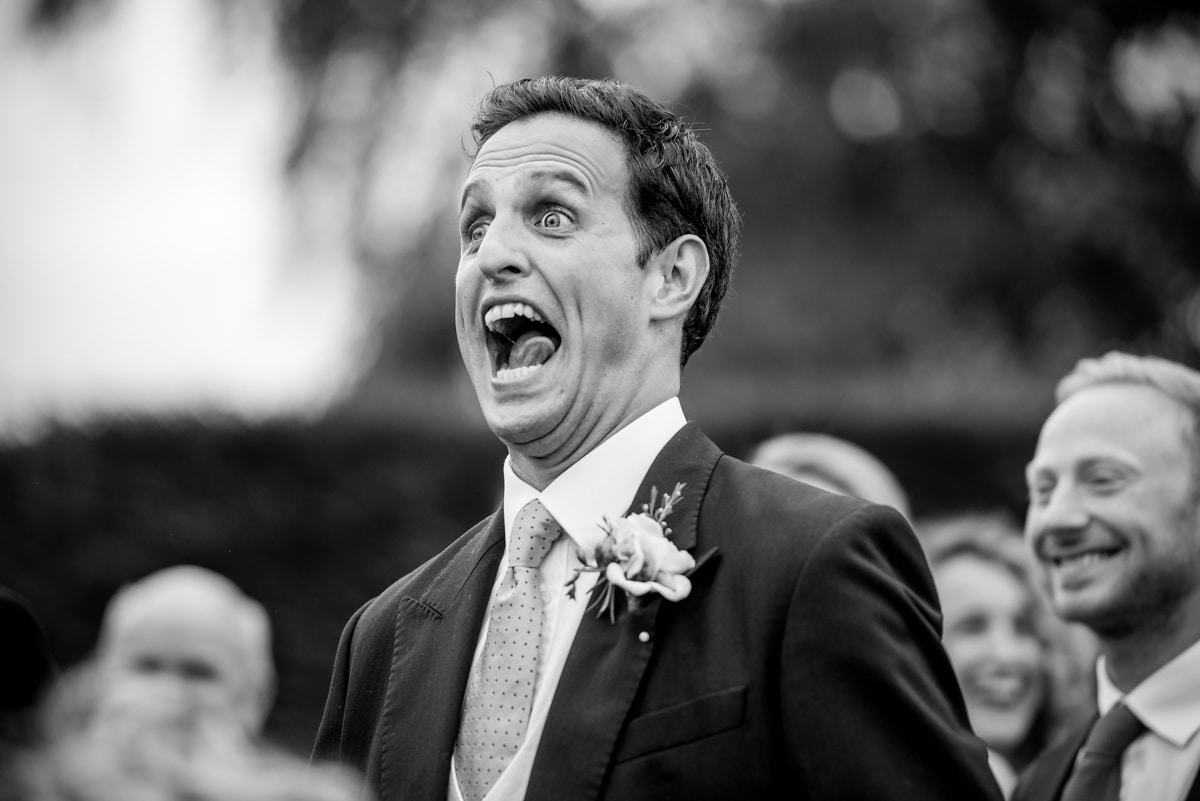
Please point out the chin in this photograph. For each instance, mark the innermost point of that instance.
(517, 428)
(1097, 612)
(1001, 731)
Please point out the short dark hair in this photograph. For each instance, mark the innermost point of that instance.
(675, 184)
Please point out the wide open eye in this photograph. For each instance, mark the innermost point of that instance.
(554, 219)
(473, 226)
(474, 231)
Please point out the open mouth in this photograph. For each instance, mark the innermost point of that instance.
(999, 690)
(519, 340)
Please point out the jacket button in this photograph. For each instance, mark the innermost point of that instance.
(644, 636)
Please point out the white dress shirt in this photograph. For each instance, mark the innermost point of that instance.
(603, 482)
(1162, 763)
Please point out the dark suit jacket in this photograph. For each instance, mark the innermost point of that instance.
(806, 663)
(1045, 778)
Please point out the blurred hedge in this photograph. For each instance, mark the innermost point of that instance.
(314, 519)
(310, 520)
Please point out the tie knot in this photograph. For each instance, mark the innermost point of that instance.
(534, 531)
(1113, 733)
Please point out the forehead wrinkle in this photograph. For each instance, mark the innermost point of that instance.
(545, 162)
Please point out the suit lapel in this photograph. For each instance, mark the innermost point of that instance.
(1194, 793)
(608, 660)
(435, 638)
(688, 459)
(1049, 772)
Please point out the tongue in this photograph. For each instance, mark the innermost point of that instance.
(531, 348)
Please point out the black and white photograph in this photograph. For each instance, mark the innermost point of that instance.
(597, 400)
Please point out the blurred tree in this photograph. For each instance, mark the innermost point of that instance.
(955, 198)
(958, 197)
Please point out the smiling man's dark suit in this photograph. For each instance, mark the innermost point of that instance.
(1045, 779)
(806, 663)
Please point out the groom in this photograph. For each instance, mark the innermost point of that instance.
(784, 642)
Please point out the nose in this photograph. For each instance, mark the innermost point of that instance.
(1012, 646)
(501, 254)
(1062, 516)
(1063, 511)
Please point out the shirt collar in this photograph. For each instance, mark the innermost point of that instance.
(603, 482)
(1167, 701)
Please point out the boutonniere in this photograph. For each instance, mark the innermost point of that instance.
(637, 556)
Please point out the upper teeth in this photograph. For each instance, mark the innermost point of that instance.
(505, 311)
(1082, 558)
(1000, 689)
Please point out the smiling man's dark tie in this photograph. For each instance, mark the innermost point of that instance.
(1097, 773)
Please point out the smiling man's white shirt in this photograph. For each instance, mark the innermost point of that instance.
(1162, 763)
(604, 482)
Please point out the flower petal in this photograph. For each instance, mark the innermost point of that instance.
(680, 588)
(677, 562)
(673, 588)
(618, 578)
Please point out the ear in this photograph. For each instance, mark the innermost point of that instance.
(677, 274)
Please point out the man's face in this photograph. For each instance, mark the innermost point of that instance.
(551, 305)
(1112, 511)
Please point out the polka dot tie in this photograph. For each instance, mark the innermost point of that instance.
(1097, 774)
(500, 690)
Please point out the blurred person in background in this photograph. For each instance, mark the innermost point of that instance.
(832, 464)
(797, 654)
(172, 706)
(28, 667)
(1024, 676)
(1114, 522)
(187, 640)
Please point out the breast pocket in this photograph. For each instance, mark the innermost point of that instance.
(683, 723)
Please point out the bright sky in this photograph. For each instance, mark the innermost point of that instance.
(149, 258)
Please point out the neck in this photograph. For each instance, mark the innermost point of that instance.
(539, 463)
(1132, 658)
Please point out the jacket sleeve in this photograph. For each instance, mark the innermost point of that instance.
(872, 707)
(337, 739)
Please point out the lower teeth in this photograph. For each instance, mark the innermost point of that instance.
(511, 373)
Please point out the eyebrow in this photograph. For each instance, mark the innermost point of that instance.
(470, 188)
(559, 176)
(543, 176)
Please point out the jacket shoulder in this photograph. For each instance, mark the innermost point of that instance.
(743, 491)
(417, 582)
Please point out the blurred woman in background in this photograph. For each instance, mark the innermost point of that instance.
(1024, 675)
